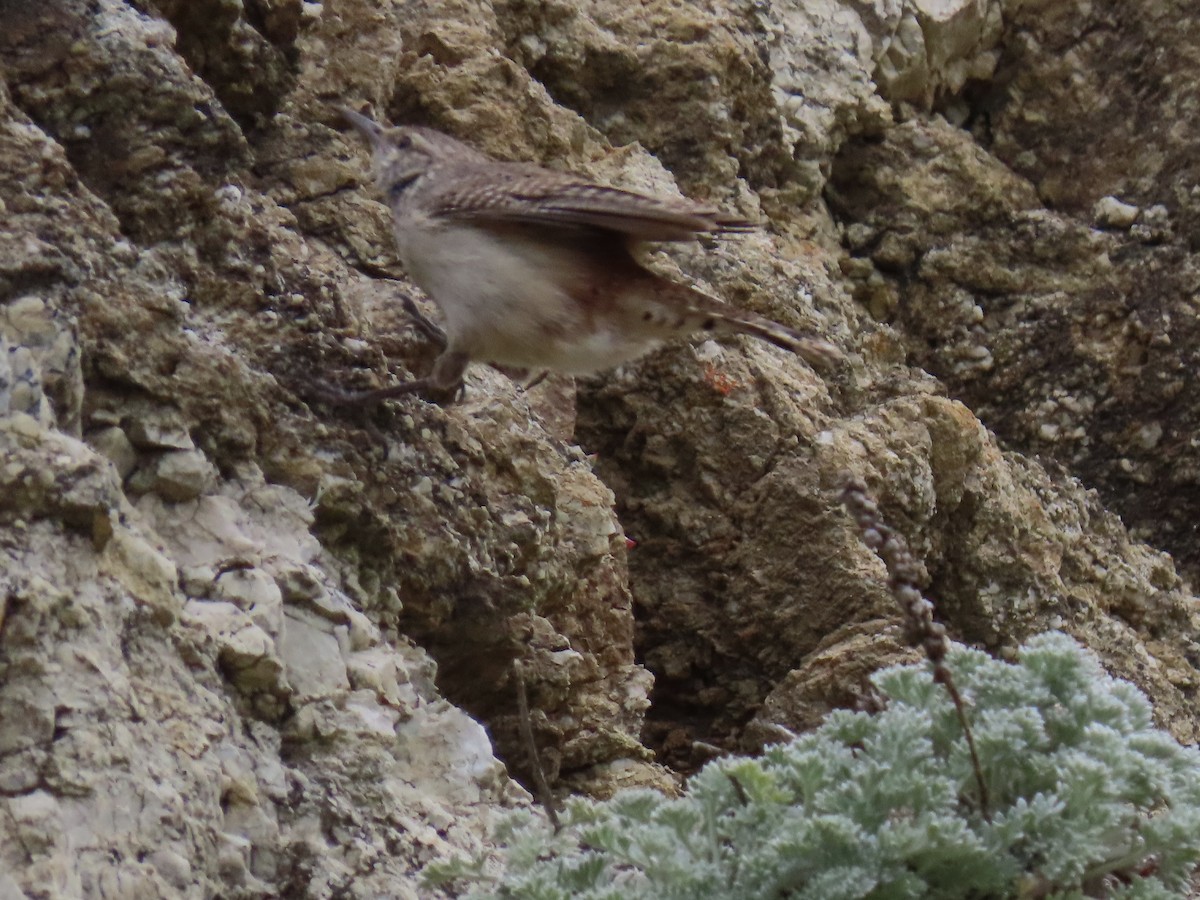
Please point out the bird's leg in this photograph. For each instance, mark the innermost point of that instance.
(424, 324)
(446, 378)
(531, 382)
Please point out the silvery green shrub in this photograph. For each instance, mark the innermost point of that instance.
(1086, 799)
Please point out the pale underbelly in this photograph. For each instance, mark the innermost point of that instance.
(579, 354)
(503, 300)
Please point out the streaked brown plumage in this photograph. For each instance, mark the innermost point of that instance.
(533, 268)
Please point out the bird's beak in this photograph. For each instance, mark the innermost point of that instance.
(366, 126)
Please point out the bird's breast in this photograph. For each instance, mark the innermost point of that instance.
(516, 296)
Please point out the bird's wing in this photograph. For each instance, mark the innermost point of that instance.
(516, 193)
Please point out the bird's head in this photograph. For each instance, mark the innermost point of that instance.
(403, 154)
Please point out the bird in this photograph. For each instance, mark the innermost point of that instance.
(535, 269)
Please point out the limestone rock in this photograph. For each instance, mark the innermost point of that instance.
(254, 646)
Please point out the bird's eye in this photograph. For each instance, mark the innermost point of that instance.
(402, 142)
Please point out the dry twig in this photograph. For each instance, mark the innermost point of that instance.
(545, 795)
(920, 630)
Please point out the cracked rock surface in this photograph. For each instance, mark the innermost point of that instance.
(251, 645)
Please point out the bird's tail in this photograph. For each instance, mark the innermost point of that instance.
(689, 311)
(814, 351)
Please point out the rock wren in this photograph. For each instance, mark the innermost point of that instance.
(533, 268)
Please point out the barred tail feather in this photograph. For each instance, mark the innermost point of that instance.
(814, 351)
(677, 310)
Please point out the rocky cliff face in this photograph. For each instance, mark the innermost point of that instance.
(253, 647)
